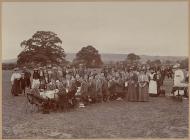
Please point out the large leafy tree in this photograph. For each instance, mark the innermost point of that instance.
(88, 56)
(132, 59)
(42, 48)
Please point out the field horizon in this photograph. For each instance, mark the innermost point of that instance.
(108, 57)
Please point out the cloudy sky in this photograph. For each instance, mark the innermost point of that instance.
(152, 28)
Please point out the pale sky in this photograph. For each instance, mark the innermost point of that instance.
(151, 28)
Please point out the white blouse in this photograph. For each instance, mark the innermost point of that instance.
(15, 76)
(178, 77)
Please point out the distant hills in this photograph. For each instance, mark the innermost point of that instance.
(116, 57)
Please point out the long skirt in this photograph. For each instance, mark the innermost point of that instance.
(132, 94)
(99, 96)
(92, 93)
(105, 94)
(16, 87)
(143, 94)
(35, 83)
(28, 83)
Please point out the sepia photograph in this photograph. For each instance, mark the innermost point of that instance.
(91, 70)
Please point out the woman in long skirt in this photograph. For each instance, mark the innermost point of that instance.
(98, 90)
(15, 81)
(112, 88)
(92, 89)
(105, 91)
(84, 90)
(143, 86)
(132, 86)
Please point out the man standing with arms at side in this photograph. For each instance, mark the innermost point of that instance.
(27, 76)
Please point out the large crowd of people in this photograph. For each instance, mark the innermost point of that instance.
(95, 85)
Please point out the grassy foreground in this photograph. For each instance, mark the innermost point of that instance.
(161, 117)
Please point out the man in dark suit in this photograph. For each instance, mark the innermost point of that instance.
(27, 76)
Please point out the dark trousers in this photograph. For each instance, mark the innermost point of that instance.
(16, 88)
(28, 83)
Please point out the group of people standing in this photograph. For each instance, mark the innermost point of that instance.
(93, 85)
(20, 81)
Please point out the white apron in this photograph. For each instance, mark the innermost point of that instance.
(152, 85)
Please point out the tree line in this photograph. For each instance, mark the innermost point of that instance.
(45, 47)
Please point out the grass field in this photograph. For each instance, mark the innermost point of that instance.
(161, 117)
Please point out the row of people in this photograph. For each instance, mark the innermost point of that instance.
(135, 85)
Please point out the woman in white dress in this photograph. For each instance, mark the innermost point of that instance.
(152, 83)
